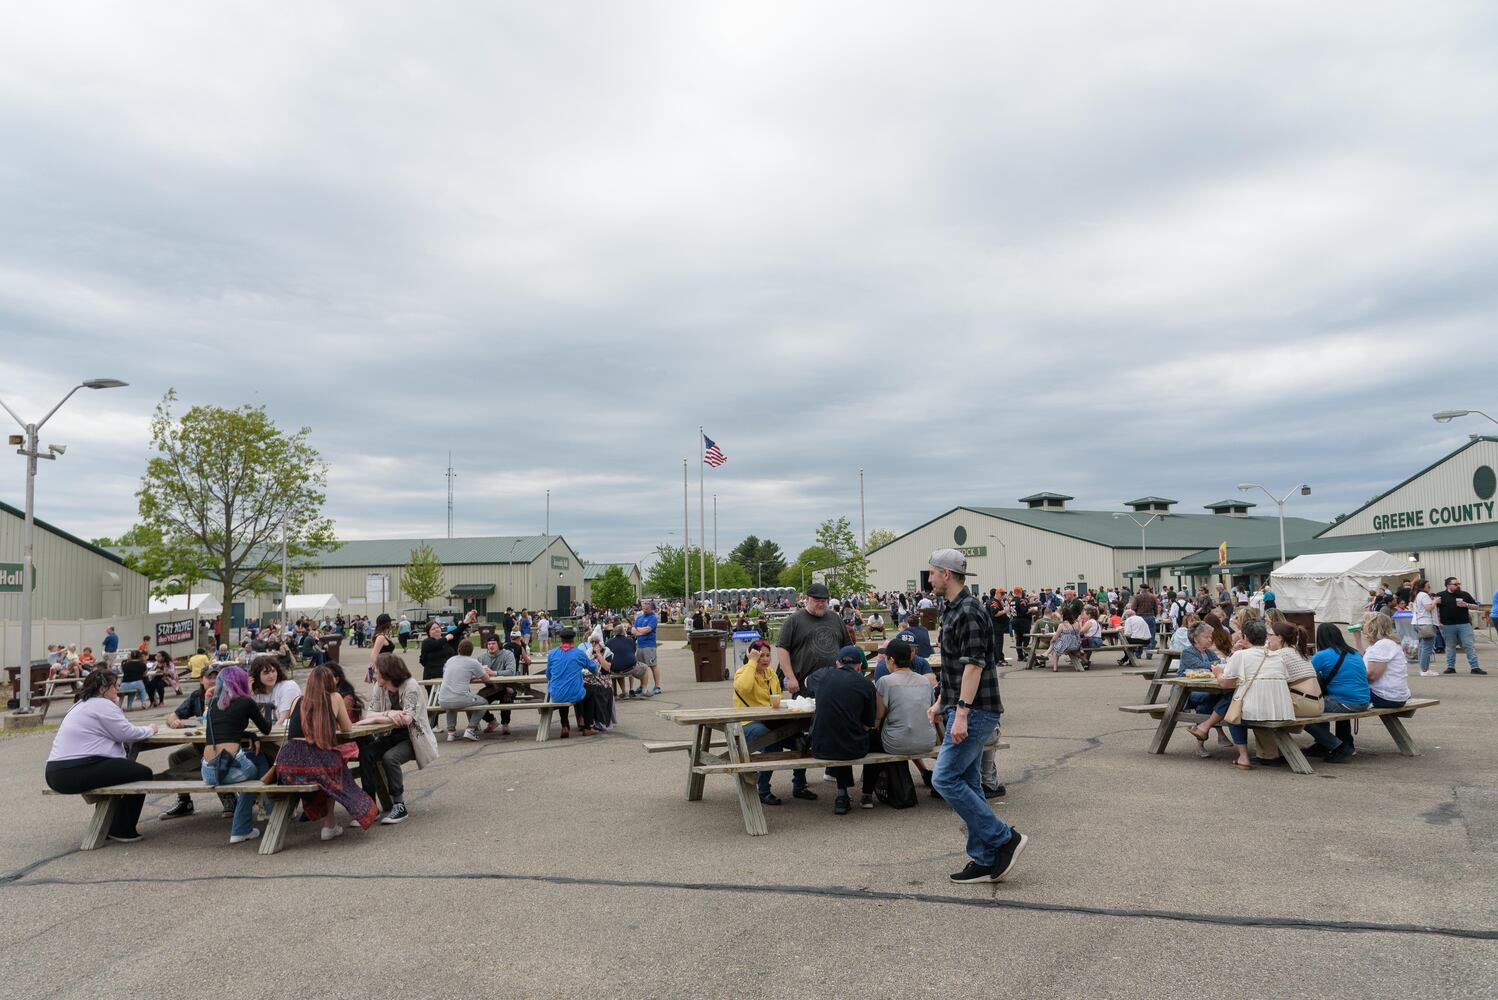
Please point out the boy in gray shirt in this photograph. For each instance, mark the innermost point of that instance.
(456, 692)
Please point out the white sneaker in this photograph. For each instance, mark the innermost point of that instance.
(254, 832)
(470, 735)
(332, 832)
(1427, 673)
(451, 736)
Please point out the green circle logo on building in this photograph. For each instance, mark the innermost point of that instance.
(1484, 482)
(960, 535)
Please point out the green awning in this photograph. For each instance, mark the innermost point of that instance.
(472, 590)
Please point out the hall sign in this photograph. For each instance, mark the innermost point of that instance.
(1431, 517)
(560, 562)
(974, 550)
(11, 577)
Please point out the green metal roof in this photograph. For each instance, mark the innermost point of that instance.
(1045, 496)
(1131, 503)
(501, 549)
(1464, 536)
(471, 590)
(595, 571)
(1174, 531)
(1220, 504)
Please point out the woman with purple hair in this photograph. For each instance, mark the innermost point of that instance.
(225, 761)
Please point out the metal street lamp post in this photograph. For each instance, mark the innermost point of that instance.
(29, 449)
(1446, 416)
(1279, 502)
(1144, 553)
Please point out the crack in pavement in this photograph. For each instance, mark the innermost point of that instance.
(849, 893)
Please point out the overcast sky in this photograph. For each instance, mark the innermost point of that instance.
(976, 249)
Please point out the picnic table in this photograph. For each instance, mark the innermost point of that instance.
(1173, 712)
(1040, 642)
(544, 709)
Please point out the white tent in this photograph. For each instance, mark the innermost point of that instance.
(1335, 585)
(311, 604)
(206, 605)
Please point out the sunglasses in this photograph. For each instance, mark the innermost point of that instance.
(759, 644)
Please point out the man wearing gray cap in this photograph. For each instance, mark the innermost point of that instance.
(809, 639)
(971, 706)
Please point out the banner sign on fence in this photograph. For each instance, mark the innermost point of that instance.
(170, 632)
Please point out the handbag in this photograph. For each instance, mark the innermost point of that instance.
(1234, 716)
(1425, 631)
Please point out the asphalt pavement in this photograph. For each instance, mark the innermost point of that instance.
(577, 868)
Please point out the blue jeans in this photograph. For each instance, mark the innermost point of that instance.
(246, 768)
(1209, 702)
(1459, 634)
(754, 731)
(1150, 621)
(134, 689)
(957, 780)
(1321, 732)
(1426, 646)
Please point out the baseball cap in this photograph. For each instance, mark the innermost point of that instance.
(514, 633)
(850, 654)
(818, 591)
(950, 560)
(906, 636)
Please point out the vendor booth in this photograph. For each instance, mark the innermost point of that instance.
(1335, 585)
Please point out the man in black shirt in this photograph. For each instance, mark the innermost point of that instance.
(998, 609)
(844, 715)
(809, 640)
(1453, 606)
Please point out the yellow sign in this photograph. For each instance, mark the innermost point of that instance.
(1222, 553)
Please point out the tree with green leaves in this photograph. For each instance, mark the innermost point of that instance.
(421, 579)
(172, 565)
(731, 576)
(665, 577)
(762, 560)
(612, 590)
(812, 558)
(849, 570)
(228, 486)
(878, 538)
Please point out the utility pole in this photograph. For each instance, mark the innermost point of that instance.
(863, 535)
(451, 475)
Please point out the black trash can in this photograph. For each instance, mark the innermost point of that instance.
(708, 646)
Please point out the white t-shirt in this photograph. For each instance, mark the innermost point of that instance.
(1424, 610)
(1135, 627)
(925, 603)
(1394, 685)
(283, 695)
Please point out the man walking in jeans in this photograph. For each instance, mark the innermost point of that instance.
(1453, 606)
(971, 706)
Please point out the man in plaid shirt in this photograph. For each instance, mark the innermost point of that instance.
(971, 706)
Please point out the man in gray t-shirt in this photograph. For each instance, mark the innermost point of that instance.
(809, 640)
(456, 692)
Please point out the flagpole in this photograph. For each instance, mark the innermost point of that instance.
(863, 536)
(715, 546)
(686, 545)
(701, 511)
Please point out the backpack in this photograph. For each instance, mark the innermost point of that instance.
(894, 786)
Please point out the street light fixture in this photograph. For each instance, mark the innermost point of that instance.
(1144, 553)
(1279, 502)
(1446, 416)
(29, 449)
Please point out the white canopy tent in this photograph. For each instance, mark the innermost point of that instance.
(311, 605)
(206, 605)
(1335, 585)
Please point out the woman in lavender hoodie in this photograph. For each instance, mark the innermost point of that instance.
(88, 751)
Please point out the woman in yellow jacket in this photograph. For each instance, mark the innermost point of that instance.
(753, 685)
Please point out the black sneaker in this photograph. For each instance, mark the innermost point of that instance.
(1478, 670)
(397, 814)
(974, 872)
(1340, 755)
(1449, 670)
(804, 793)
(228, 802)
(1315, 750)
(993, 793)
(770, 799)
(1269, 762)
(182, 808)
(1003, 862)
(842, 805)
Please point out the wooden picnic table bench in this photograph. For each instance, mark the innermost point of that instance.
(546, 708)
(1040, 642)
(106, 802)
(1173, 712)
(744, 760)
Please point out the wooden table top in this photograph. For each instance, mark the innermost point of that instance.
(506, 679)
(190, 735)
(719, 716)
(1203, 683)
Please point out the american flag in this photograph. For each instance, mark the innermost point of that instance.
(711, 453)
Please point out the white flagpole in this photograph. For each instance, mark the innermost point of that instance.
(701, 511)
(686, 544)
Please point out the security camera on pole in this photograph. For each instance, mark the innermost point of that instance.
(28, 443)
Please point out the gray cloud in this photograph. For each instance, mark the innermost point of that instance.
(1102, 249)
